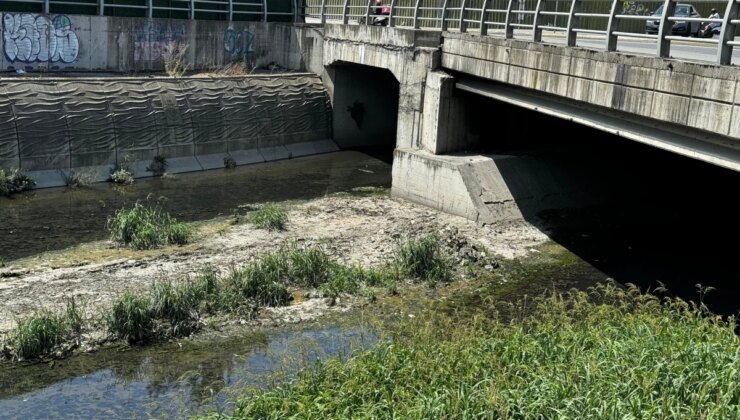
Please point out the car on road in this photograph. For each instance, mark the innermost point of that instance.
(680, 27)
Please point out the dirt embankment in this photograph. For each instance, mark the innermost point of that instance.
(360, 230)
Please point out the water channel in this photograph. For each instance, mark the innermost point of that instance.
(655, 237)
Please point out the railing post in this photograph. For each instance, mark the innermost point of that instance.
(483, 25)
(508, 29)
(391, 17)
(611, 26)
(101, 7)
(444, 15)
(416, 14)
(45, 7)
(323, 11)
(192, 9)
(264, 10)
(149, 10)
(345, 10)
(536, 31)
(231, 10)
(727, 33)
(571, 35)
(367, 12)
(664, 45)
(463, 25)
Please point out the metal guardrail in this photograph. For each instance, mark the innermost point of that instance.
(256, 10)
(610, 19)
(569, 17)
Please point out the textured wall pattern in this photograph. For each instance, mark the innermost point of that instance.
(68, 123)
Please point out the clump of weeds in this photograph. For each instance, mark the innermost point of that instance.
(147, 227)
(270, 217)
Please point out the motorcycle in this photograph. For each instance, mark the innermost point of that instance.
(708, 30)
(380, 19)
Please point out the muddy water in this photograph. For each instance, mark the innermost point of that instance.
(54, 219)
(167, 381)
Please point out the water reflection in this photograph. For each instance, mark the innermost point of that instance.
(54, 219)
(169, 380)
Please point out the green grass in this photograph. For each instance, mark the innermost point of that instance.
(178, 305)
(423, 259)
(262, 283)
(132, 318)
(38, 335)
(269, 217)
(608, 353)
(309, 267)
(14, 182)
(146, 227)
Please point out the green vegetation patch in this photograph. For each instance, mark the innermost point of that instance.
(605, 353)
(269, 217)
(423, 258)
(14, 182)
(145, 227)
(40, 334)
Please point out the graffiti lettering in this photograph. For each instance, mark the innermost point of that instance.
(238, 42)
(632, 8)
(35, 38)
(151, 41)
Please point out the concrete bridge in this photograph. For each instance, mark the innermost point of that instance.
(686, 108)
(421, 79)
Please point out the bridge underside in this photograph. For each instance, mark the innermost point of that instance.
(712, 148)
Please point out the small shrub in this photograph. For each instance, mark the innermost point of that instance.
(158, 165)
(38, 335)
(132, 318)
(2, 261)
(142, 227)
(120, 175)
(80, 178)
(14, 182)
(423, 259)
(178, 233)
(269, 217)
(174, 56)
(229, 162)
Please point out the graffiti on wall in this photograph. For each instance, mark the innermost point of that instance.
(32, 38)
(630, 7)
(239, 43)
(151, 41)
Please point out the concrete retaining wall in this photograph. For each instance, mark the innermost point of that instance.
(50, 127)
(102, 43)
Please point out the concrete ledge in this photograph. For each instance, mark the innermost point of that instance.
(274, 153)
(245, 157)
(311, 148)
(213, 161)
(181, 165)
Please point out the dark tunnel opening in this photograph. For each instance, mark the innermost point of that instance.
(636, 213)
(365, 108)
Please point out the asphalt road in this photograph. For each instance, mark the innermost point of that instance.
(683, 49)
